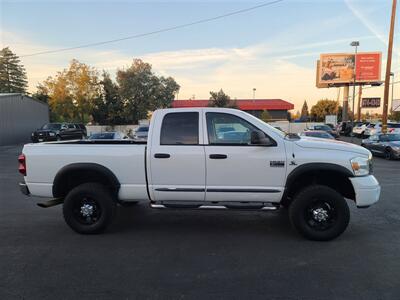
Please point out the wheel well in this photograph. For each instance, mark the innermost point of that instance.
(73, 175)
(335, 179)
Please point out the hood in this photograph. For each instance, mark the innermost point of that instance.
(45, 130)
(317, 143)
(394, 143)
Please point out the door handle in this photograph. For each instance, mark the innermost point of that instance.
(162, 155)
(218, 156)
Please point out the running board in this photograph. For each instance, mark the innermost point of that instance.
(213, 207)
(50, 203)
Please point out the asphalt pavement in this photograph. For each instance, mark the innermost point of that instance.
(153, 254)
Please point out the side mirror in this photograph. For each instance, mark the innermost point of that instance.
(259, 138)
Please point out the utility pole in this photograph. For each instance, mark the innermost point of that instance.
(359, 103)
(254, 94)
(388, 69)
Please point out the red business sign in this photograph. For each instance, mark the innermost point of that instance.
(368, 67)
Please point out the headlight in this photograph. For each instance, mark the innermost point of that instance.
(52, 134)
(361, 166)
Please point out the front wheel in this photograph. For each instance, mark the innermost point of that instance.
(388, 154)
(319, 213)
(89, 208)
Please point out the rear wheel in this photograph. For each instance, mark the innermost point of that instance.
(89, 208)
(319, 213)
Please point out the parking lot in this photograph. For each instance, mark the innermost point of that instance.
(156, 254)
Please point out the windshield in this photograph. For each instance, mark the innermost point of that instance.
(52, 126)
(394, 125)
(102, 136)
(143, 129)
(390, 137)
(318, 134)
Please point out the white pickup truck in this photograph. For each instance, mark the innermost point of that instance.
(204, 158)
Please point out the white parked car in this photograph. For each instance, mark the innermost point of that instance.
(377, 128)
(359, 130)
(187, 163)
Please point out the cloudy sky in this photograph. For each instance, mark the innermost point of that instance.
(272, 48)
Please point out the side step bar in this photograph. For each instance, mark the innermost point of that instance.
(50, 203)
(213, 207)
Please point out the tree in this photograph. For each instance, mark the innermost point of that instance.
(265, 116)
(12, 73)
(83, 86)
(395, 116)
(71, 92)
(304, 111)
(41, 94)
(141, 90)
(324, 107)
(220, 99)
(108, 106)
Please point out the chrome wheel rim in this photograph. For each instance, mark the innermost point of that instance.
(87, 211)
(320, 215)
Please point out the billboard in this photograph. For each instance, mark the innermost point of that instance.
(338, 68)
(396, 105)
(371, 102)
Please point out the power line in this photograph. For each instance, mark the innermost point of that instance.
(157, 31)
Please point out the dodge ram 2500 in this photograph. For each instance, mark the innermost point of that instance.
(204, 158)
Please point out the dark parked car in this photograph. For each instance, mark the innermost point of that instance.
(325, 128)
(318, 134)
(82, 127)
(57, 132)
(141, 133)
(114, 135)
(386, 145)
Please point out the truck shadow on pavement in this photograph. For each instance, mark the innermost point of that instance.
(193, 222)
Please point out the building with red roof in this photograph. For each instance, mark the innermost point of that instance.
(277, 108)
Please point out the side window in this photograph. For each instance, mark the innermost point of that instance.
(228, 129)
(71, 126)
(180, 129)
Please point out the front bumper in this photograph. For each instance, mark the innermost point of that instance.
(367, 190)
(24, 188)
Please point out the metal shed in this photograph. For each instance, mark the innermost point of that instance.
(19, 116)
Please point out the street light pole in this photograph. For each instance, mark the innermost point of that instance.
(388, 68)
(254, 94)
(354, 44)
(391, 107)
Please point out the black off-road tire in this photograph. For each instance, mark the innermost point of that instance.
(95, 196)
(308, 201)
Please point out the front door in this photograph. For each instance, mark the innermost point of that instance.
(238, 170)
(177, 159)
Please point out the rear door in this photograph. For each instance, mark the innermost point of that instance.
(176, 157)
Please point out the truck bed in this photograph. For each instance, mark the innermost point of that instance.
(125, 158)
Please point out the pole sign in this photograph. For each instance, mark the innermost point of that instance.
(371, 102)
